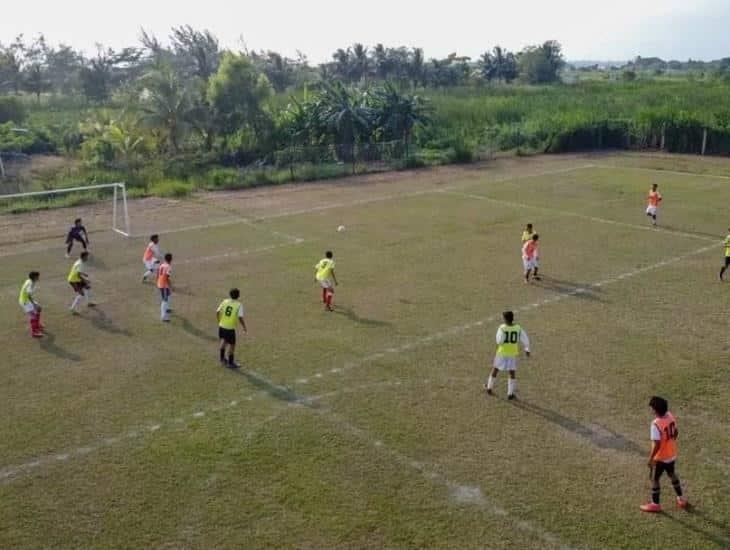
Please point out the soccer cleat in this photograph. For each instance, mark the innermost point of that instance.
(651, 507)
(511, 397)
(74, 312)
(537, 278)
(92, 304)
(233, 365)
(37, 335)
(682, 502)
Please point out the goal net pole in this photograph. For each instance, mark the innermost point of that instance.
(117, 188)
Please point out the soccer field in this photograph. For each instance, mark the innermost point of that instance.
(368, 427)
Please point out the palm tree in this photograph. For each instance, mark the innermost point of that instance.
(345, 114)
(360, 62)
(166, 104)
(397, 114)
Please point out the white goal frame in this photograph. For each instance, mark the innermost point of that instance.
(119, 189)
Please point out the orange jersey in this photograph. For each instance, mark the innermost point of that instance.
(654, 198)
(150, 253)
(529, 249)
(163, 275)
(666, 426)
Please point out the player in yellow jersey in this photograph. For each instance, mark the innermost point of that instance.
(29, 304)
(229, 315)
(509, 337)
(727, 256)
(325, 277)
(78, 278)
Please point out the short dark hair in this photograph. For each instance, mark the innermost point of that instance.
(659, 404)
(84, 255)
(154, 237)
(168, 257)
(535, 237)
(328, 253)
(529, 225)
(33, 275)
(235, 293)
(509, 317)
(77, 220)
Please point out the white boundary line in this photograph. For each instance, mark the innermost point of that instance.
(459, 493)
(660, 171)
(656, 229)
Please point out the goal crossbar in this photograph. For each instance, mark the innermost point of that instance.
(117, 187)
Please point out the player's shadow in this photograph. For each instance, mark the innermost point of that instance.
(273, 390)
(721, 537)
(48, 344)
(351, 315)
(603, 439)
(570, 288)
(194, 331)
(102, 321)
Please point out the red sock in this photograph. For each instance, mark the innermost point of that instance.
(35, 325)
(324, 295)
(330, 295)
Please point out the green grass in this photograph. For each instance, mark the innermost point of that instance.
(367, 428)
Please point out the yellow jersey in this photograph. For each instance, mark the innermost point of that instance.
(324, 269)
(509, 346)
(74, 276)
(26, 292)
(527, 236)
(727, 246)
(230, 312)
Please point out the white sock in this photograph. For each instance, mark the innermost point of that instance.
(76, 301)
(88, 295)
(511, 386)
(490, 382)
(163, 310)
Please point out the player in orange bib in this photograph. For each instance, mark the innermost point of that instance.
(530, 256)
(151, 257)
(663, 455)
(164, 284)
(654, 199)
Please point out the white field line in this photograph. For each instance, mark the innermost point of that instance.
(459, 329)
(252, 221)
(583, 216)
(660, 171)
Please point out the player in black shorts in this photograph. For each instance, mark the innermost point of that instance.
(76, 233)
(229, 315)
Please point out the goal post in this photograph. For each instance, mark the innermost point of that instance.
(120, 211)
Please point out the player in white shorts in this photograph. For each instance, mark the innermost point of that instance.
(530, 257)
(152, 257)
(653, 200)
(509, 337)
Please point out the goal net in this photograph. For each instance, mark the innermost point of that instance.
(42, 215)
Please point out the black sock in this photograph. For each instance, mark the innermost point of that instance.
(655, 495)
(722, 272)
(230, 359)
(68, 248)
(677, 487)
(223, 354)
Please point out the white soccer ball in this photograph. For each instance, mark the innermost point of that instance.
(341, 228)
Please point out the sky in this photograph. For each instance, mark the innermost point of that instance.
(587, 29)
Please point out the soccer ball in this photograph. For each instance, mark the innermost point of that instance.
(340, 229)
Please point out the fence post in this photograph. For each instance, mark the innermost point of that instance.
(704, 141)
(664, 136)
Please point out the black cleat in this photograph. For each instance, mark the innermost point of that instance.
(512, 397)
(233, 365)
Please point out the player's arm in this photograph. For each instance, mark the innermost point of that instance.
(525, 341)
(86, 235)
(334, 277)
(500, 336)
(218, 314)
(656, 441)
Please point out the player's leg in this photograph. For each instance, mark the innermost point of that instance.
(535, 268)
(512, 384)
(87, 293)
(724, 268)
(676, 485)
(164, 296)
(232, 353)
(69, 246)
(489, 386)
(654, 505)
(78, 296)
(82, 241)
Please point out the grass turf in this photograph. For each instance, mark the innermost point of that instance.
(367, 427)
